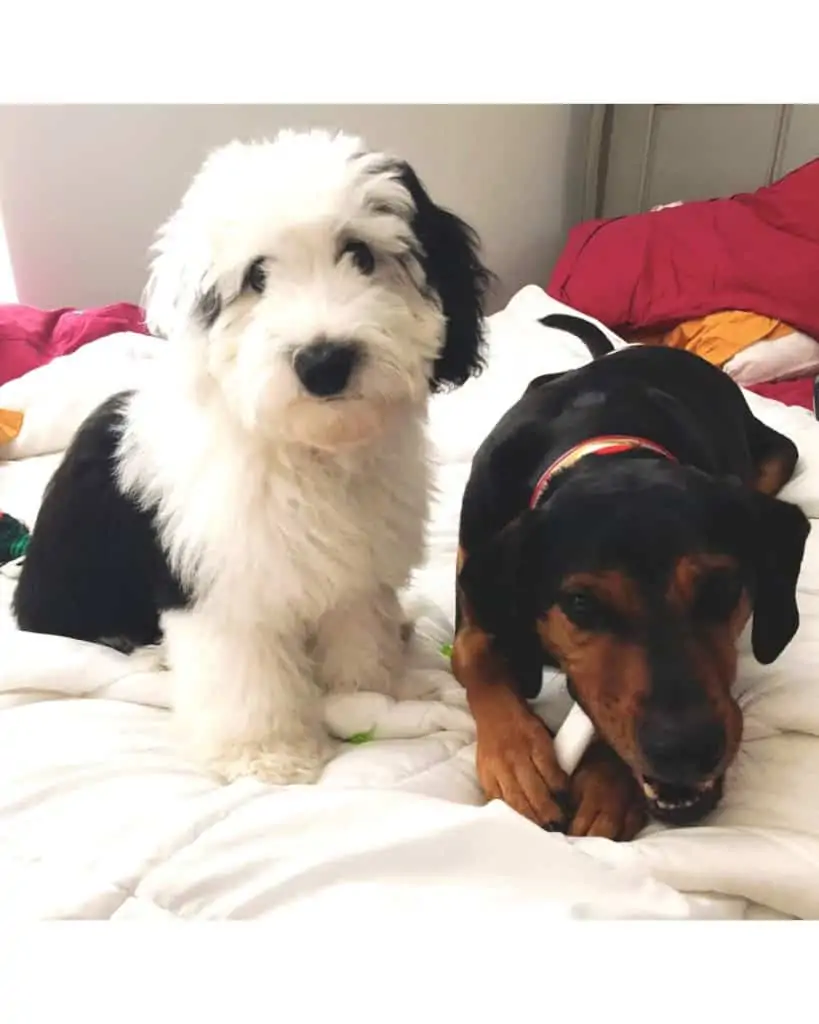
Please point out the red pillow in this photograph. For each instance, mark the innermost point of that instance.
(31, 337)
(757, 251)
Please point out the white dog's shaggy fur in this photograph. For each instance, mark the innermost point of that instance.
(287, 517)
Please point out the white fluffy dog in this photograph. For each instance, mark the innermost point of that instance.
(260, 503)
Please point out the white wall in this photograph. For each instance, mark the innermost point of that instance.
(83, 188)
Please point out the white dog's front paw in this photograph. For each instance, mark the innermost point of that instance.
(278, 764)
(371, 678)
(417, 685)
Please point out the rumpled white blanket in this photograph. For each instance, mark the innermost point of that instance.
(100, 817)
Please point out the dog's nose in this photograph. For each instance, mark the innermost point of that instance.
(325, 367)
(682, 747)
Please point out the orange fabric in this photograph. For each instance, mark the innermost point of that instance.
(719, 336)
(10, 424)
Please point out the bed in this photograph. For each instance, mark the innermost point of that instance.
(101, 818)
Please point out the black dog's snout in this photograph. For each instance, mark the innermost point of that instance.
(325, 367)
(681, 747)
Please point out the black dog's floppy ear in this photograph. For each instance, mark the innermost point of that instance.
(780, 531)
(497, 585)
(454, 270)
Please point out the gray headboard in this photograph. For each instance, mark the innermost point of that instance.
(642, 155)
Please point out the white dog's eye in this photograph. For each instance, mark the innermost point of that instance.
(362, 255)
(255, 276)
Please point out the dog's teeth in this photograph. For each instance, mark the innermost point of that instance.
(652, 793)
(676, 805)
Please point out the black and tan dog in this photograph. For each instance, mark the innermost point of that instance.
(620, 523)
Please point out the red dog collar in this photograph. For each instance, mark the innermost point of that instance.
(610, 444)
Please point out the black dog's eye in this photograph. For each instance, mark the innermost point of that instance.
(255, 276)
(361, 254)
(585, 610)
(717, 596)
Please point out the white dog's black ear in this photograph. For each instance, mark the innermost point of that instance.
(453, 268)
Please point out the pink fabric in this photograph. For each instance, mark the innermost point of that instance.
(31, 337)
(755, 251)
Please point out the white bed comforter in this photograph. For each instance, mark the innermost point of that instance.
(101, 818)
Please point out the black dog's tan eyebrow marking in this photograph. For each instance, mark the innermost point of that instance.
(689, 569)
(623, 593)
(613, 587)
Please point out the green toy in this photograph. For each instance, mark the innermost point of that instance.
(362, 737)
(14, 538)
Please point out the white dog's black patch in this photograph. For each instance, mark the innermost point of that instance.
(95, 569)
(209, 307)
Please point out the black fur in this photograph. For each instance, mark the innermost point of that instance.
(455, 272)
(773, 541)
(594, 339)
(635, 511)
(94, 569)
(209, 307)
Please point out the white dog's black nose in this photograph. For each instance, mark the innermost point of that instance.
(325, 367)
